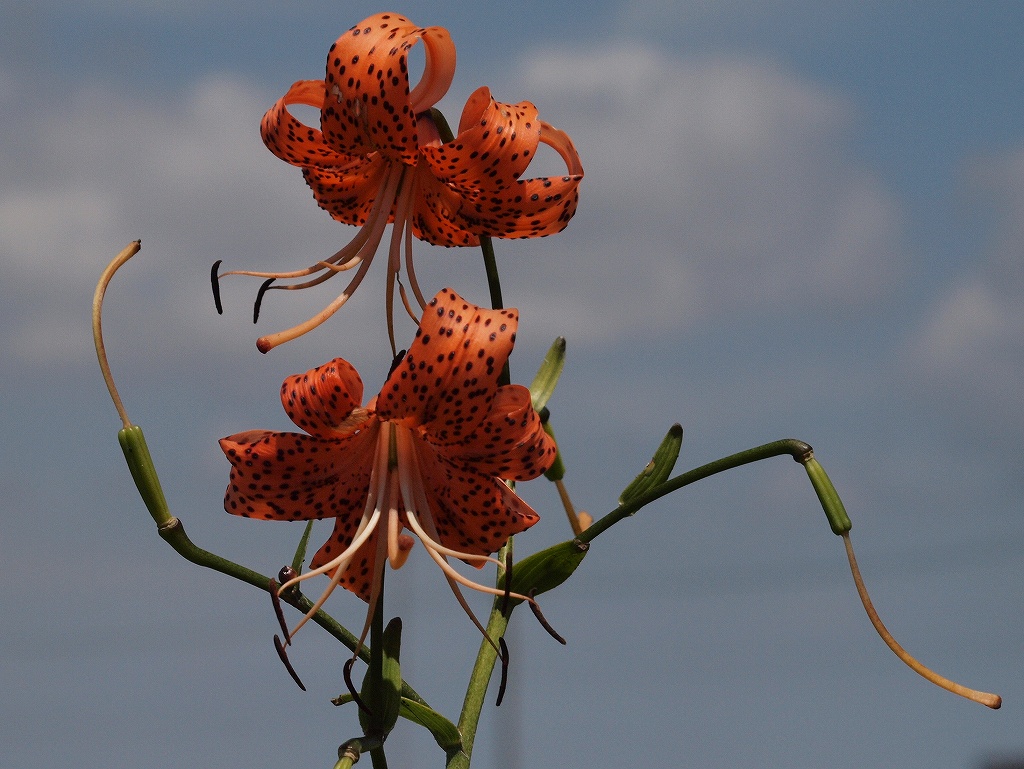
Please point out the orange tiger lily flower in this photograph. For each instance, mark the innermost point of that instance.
(378, 158)
(427, 455)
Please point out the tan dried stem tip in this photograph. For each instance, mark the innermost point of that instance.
(97, 328)
(993, 701)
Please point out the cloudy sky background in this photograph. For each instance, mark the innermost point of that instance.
(799, 220)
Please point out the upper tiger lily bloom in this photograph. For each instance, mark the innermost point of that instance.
(379, 158)
(427, 455)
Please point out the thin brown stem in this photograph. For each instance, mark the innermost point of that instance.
(993, 701)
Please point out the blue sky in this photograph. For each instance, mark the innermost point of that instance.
(799, 220)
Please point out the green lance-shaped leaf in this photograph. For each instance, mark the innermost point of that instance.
(300, 551)
(543, 385)
(545, 570)
(658, 469)
(140, 463)
(444, 731)
(382, 685)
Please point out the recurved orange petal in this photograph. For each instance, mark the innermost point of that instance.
(292, 477)
(369, 106)
(474, 512)
(348, 194)
(511, 442)
(449, 375)
(325, 401)
(530, 208)
(494, 146)
(294, 141)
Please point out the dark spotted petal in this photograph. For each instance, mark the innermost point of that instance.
(449, 376)
(292, 477)
(483, 165)
(322, 400)
(495, 144)
(510, 443)
(368, 105)
(358, 576)
(348, 194)
(474, 512)
(531, 208)
(293, 141)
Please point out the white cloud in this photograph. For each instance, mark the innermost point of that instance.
(968, 320)
(188, 174)
(971, 340)
(712, 187)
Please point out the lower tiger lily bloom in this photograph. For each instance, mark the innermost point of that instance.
(379, 158)
(428, 456)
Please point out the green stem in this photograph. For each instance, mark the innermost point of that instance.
(494, 287)
(173, 533)
(800, 451)
(349, 752)
(480, 677)
(491, 268)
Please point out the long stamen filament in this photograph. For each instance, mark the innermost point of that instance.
(993, 701)
(377, 584)
(384, 482)
(269, 342)
(415, 499)
(344, 256)
(340, 261)
(366, 253)
(366, 528)
(340, 564)
(405, 302)
(409, 271)
(414, 496)
(402, 209)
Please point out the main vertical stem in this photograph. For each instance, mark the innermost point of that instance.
(483, 669)
(494, 286)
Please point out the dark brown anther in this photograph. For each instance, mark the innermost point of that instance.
(287, 573)
(347, 673)
(543, 622)
(278, 612)
(287, 664)
(259, 299)
(508, 583)
(215, 281)
(503, 656)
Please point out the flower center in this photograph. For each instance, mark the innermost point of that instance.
(398, 498)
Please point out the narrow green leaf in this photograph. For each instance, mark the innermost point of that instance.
(382, 684)
(444, 731)
(300, 551)
(545, 570)
(550, 370)
(658, 469)
(391, 676)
